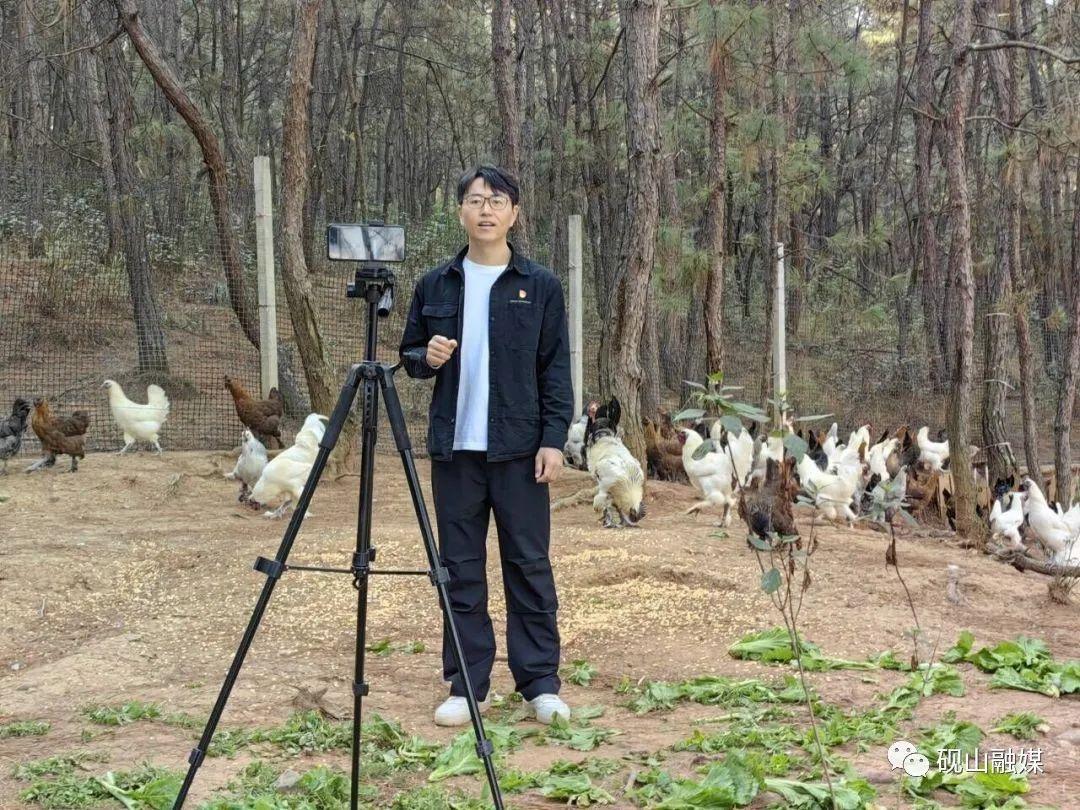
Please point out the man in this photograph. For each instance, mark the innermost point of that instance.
(490, 326)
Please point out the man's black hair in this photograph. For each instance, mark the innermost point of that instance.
(498, 179)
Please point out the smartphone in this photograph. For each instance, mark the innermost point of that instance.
(365, 243)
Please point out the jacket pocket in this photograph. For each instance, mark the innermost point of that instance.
(521, 431)
(525, 324)
(441, 318)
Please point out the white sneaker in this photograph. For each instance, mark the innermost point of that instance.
(454, 711)
(545, 707)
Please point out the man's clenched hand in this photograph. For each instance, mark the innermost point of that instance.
(549, 464)
(439, 349)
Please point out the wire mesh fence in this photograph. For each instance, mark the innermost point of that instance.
(68, 320)
(67, 323)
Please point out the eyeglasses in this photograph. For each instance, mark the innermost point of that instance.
(498, 202)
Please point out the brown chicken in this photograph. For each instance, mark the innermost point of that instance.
(664, 455)
(59, 437)
(766, 505)
(921, 491)
(261, 416)
(667, 427)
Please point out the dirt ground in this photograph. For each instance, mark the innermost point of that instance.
(132, 579)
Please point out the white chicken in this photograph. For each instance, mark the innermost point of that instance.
(249, 466)
(771, 447)
(849, 450)
(1048, 527)
(139, 422)
(741, 448)
(288, 471)
(711, 474)
(878, 457)
(1006, 523)
(933, 453)
(574, 449)
(829, 445)
(832, 493)
(1071, 518)
(861, 435)
(620, 481)
(850, 463)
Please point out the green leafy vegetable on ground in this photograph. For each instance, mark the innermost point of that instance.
(460, 758)
(24, 728)
(1021, 725)
(577, 735)
(146, 788)
(580, 672)
(575, 789)
(123, 715)
(730, 783)
(851, 794)
(1023, 663)
(776, 646)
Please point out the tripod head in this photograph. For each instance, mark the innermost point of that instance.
(374, 283)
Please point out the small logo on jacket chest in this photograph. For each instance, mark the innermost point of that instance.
(521, 293)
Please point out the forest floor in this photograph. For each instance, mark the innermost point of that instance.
(131, 581)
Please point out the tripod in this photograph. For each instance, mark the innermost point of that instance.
(376, 286)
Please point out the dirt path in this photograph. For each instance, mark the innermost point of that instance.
(132, 579)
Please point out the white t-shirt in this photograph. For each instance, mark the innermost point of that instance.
(471, 421)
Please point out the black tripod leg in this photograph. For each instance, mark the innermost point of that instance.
(273, 570)
(439, 576)
(361, 563)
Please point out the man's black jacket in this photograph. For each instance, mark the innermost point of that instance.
(530, 396)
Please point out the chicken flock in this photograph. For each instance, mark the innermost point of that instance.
(757, 476)
(734, 469)
(263, 481)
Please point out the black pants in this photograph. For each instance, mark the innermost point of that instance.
(465, 490)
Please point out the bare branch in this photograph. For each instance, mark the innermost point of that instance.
(1018, 43)
(1022, 562)
(607, 66)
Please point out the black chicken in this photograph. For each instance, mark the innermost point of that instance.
(603, 417)
(11, 431)
(766, 505)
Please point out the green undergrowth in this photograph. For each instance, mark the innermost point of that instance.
(60, 783)
(123, 715)
(762, 747)
(756, 748)
(1023, 663)
(24, 728)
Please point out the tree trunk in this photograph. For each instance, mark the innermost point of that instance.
(717, 214)
(149, 334)
(1001, 460)
(526, 98)
(230, 99)
(243, 306)
(33, 130)
(558, 100)
(354, 204)
(650, 356)
(295, 160)
(641, 21)
(1067, 386)
(1027, 372)
(672, 346)
(502, 41)
(175, 145)
(96, 101)
(1047, 227)
(963, 298)
(931, 284)
(603, 187)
